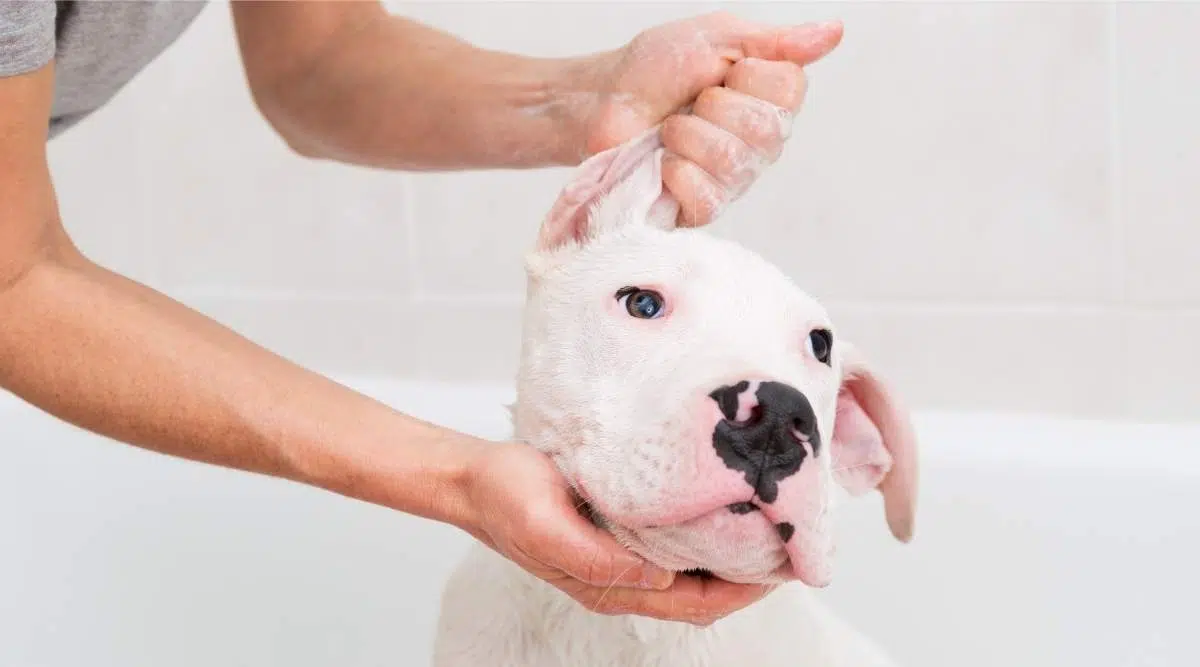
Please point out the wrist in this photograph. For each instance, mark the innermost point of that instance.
(452, 474)
(574, 93)
(551, 104)
(390, 459)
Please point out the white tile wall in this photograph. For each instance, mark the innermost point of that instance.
(998, 200)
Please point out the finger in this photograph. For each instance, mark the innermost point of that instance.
(704, 599)
(758, 123)
(560, 538)
(689, 600)
(781, 83)
(699, 195)
(801, 44)
(728, 159)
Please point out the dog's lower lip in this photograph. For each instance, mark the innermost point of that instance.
(740, 508)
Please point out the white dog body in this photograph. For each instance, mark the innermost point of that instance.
(705, 409)
(497, 615)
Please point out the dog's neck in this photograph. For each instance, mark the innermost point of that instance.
(567, 629)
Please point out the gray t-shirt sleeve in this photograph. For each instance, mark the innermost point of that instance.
(27, 38)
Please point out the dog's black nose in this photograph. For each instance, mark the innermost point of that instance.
(767, 446)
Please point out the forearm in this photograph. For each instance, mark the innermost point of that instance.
(395, 93)
(119, 359)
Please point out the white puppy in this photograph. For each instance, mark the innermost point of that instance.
(705, 409)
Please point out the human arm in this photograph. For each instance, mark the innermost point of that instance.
(350, 82)
(119, 359)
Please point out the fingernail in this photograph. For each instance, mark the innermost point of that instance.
(655, 578)
(813, 35)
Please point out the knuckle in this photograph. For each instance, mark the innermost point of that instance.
(536, 520)
(672, 174)
(766, 122)
(778, 82)
(672, 127)
(727, 155)
(677, 179)
(737, 76)
(745, 73)
(697, 192)
(529, 515)
(760, 124)
(704, 142)
(799, 89)
(599, 570)
(708, 100)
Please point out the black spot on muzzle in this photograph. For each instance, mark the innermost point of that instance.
(765, 447)
(786, 530)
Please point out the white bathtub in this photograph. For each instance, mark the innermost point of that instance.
(1040, 543)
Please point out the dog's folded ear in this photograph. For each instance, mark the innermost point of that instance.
(620, 186)
(874, 443)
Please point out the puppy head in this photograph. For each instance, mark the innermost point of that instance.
(703, 406)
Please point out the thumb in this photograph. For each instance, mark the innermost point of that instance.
(801, 44)
(591, 555)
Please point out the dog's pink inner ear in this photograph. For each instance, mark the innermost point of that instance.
(860, 460)
(874, 444)
(568, 218)
(627, 179)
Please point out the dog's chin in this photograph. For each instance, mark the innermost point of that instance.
(743, 549)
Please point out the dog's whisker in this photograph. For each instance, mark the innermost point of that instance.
(610, 587)
(853, 467)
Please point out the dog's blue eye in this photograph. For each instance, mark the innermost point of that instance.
(640, 303)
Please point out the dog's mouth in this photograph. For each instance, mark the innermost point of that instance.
(704, 574)
(588, 512)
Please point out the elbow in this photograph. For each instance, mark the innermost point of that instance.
(286, 121)
(13, 272)
(21, 255)
(301, 145)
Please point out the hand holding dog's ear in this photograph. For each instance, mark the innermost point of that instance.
(743, 82)
(523, 509)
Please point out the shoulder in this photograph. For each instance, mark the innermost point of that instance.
(27, 36)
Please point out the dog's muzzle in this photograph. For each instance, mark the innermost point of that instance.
(765, 435)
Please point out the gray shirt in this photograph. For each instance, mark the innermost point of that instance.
(98, 46)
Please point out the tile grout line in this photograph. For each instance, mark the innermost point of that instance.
(1118, 251)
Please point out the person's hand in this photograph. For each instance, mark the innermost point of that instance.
(523, 509)
(743, 82)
